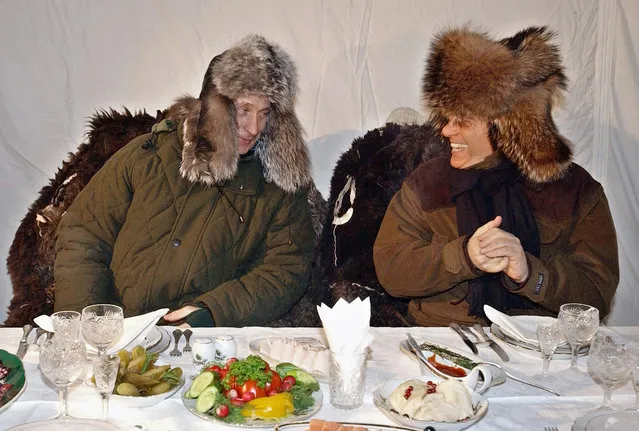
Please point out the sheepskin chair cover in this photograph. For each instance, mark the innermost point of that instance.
(32, 253)
(376, 166)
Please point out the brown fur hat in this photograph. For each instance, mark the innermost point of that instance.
(210, 154)
(511, 83)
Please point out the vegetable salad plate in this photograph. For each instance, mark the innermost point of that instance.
(12, 379)
(257, 423)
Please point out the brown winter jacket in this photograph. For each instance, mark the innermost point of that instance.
(419, 254)
(141, 235)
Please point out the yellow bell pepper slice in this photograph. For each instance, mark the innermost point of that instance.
(274, 407)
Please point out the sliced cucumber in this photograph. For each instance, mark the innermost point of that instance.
(302, 377)
(200, 383)
(206, 399)
(284, 368)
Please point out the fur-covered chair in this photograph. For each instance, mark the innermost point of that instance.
(32, 253)
(364, 180)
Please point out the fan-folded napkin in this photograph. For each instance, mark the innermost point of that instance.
(347, 325)
(135, 328)
(520, 327)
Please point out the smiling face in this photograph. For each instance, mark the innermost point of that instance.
(469, 142)
(251, 115)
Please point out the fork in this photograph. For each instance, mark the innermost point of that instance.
(187, 336)
(177, 333)
(551, 429)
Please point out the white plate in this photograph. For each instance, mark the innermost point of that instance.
(67, 425)
(189, 403)
(562, 352)
(257, 347)
(304, 426)
(607, 420)
(146, 401)
(380, 395)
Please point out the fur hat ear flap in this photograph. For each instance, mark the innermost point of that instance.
(546, 154)
(209, 154)
(283, 148)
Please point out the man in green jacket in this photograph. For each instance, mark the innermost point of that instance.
(207, 214)
(508, 220)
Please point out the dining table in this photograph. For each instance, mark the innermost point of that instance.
(512, 405)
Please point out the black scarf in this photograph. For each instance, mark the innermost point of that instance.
(480, 195)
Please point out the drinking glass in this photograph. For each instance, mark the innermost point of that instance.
(635, 382)
(66, 325)
(105, 371)
(609, 360)
(549, 337)
(578, 324)
(63, 363)
(346, 379)
(102, 325)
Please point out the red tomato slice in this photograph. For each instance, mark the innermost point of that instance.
(276, 381)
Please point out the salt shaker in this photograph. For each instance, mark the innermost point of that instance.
(225, 348)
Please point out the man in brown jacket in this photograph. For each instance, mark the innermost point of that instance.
(208, 214)
(509, 220)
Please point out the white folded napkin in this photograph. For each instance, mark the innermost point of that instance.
(522, 327)
(135, 328)
(347, 325)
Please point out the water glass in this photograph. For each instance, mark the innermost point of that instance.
(66, 325)
(578, 324)
(102, 325)
(105, 371)
(346, 379)
(549, 337)
(63, 364)
(609, 360)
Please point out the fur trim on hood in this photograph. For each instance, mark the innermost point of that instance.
(210, 154)
(512, 83)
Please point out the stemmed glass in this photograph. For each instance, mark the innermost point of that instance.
(102, 326)
(609, 360)
(63, 363)
(66, 325)
(549, 337)
(105, 371)
(578, 324)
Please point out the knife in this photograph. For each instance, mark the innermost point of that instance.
(491, 343)
(22, 347)
(455, 327)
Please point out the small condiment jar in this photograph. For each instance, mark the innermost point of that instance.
(225, 348)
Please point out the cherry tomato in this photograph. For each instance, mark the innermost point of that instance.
(214, 368)
(251, 386)
(222, 411)
(289, 379)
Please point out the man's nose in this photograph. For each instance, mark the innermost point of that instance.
(251, 125)
(449, 129)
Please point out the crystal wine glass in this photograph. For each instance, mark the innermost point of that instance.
(549, 337)
(102, 326)
(609, 360)
(105, 371)
(66, 325)
(578, 324)
(63, 363)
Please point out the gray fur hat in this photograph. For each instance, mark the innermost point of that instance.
(512, 83)
(210, 154)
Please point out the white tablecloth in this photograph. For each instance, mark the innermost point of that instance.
(511, 405)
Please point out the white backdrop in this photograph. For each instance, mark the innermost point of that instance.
(60, 60)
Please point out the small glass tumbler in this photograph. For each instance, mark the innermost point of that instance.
(549, 336)
(66, 325)
(105, 371)
(346, 379)
(202, 351)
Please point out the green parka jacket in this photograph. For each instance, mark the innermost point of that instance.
(142, 235)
